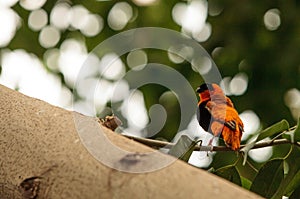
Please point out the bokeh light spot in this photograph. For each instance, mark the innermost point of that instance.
(204, 34)
(60, 16)
(272, 19)
(37, 19)
(9, 22)
(292, 100)
(7, 3)
(51, 57)
(121, 91)
(251, 123)
(239, 83)
(144, 2)
(199, 160)
(72, 56)
(32, 4)
(102, 93)
(111, 66)
(49, 36)
(225, 85)
(179, 53)
(25, 72)
(92, 26)
(201, 64)
(191, 17)
(119, 15)
(133, 108)
(78, 15)
(137, 59)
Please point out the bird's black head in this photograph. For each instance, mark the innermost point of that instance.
(204, 87)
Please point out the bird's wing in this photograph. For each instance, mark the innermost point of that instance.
(225, 114)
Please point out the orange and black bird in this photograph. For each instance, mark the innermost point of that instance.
(217, 115)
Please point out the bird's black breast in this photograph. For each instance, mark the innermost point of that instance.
(203, 116)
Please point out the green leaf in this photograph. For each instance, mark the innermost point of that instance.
(183, 148)
(290, 135)
(273, 130)
(246, 183)
(291, 180)
(268, 178)
(295, 194)
(293, 136)
(230, 173)
(294, 183)
(211, 170)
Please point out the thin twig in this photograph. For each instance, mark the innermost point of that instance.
(151, 142)
(280, 134)
(168, 145)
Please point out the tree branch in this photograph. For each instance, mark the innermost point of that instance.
(44, 156)
(160, 144)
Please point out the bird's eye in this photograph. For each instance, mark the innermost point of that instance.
(205, 86)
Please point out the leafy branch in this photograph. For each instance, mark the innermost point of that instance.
(280, 129)
(163, 144)
(277, 177)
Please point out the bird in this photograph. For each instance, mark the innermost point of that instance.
(216, 114)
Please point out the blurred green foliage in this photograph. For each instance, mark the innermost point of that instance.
(271, 58)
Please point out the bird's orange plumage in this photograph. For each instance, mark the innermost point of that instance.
(217, 115)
